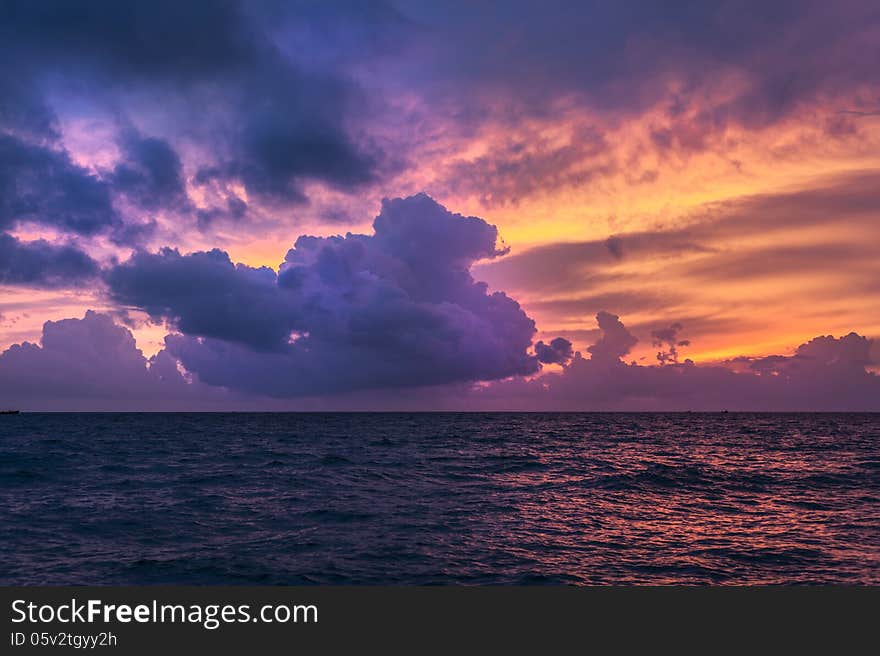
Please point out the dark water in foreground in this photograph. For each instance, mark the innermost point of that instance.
(439, 498)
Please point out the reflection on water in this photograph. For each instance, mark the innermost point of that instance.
(440, 498)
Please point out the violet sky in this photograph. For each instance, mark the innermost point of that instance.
(424, 205)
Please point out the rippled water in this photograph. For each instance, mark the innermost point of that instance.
(439, 498)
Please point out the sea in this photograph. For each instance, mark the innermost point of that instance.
(439, 499)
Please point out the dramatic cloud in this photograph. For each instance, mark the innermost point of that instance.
(41, 264)
(594, 50)
(43, 185)
(396, 308)
(226, 81)
(277, 121)
(40, 184)
(150, 173)
(646, 44)
(707, 170)
(581, 100)
(205, 294)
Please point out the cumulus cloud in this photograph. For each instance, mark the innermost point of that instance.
(558, 351)
(393, 309)
(205, 294)
(826, 373)
(616, 340)
(91, 360)
(94, 363)
(852, 352)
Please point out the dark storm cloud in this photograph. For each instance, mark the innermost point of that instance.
(22, 108)
(43, 185)
(42, 264)
(261, 90)
(272, 153)
(206, 294)
(181, 39)
(392, 309)
(150, 173)
(268, 111)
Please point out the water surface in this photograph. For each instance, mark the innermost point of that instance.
(439, 498)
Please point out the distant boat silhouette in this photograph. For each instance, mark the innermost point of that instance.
(9, 412)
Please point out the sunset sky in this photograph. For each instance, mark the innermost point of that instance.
(707, 174)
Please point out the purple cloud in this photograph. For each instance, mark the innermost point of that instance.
(616, 340)
(94, 363)
(44, 185)
(558, 351)
(394, 309)
(222, 78)
(666, 339)
(824, 374)
(150, 173)
(90, 361)
(42, 264)
(205, 294)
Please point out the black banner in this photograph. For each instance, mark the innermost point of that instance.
(270, 620)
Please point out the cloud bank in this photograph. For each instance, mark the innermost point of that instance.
(93, 363)
(825, 374)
